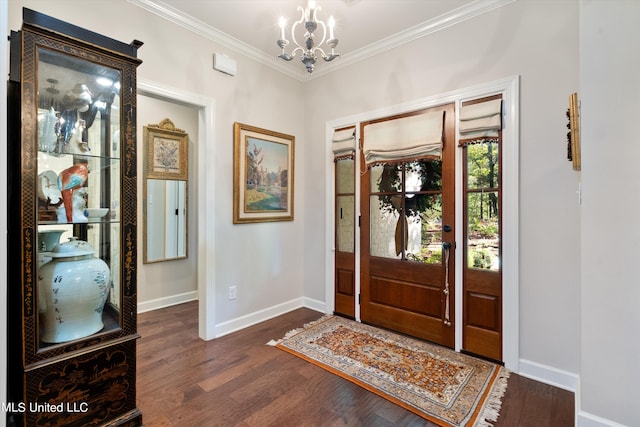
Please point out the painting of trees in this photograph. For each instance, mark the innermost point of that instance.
(263, 166)
(254, 159)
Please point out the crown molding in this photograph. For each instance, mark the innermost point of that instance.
(453, 17)
(196, 26)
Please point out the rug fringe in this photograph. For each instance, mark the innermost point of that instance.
(491, 408)
(293, 332)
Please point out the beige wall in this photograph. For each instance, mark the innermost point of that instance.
(610, 292)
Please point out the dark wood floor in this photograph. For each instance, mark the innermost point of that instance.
(237, 380)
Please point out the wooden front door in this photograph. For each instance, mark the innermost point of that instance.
(407, 242)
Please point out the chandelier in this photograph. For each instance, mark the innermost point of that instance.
(309, 49)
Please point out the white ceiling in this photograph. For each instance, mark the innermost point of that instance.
(363, 27)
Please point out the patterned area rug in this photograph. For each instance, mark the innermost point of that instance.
(445, 387)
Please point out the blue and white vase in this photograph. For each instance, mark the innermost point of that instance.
(74, 287)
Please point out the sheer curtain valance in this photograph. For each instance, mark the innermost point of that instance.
(404, 138)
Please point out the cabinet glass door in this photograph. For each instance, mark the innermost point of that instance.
(78, 203)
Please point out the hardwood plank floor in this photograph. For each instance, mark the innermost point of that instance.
(237, 380)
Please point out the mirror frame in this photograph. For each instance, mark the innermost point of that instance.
(172, 164)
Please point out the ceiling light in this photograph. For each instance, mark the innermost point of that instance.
(309, 49)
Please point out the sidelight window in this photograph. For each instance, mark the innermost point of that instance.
(483, 205)
(480, 135)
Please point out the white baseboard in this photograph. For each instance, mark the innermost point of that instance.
(314, 304)
(585, 419)
(266, 314)
(548, 375)
(167, 301)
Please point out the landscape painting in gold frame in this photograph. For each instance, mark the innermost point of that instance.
(263, 175)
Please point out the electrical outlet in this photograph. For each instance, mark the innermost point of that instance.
(232, 293)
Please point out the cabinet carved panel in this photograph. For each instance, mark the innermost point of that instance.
(90, 389)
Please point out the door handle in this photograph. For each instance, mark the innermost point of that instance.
(446, 247)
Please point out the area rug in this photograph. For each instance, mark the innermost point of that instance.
(447, 388)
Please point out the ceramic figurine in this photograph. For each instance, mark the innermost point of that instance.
(69, 180)
(46, 131)
(78, 207)
(76, 144)
(78, 98)
(48, 239)
(74, 286)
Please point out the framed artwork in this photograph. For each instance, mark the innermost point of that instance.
(573, 149)
(166, 151)
(262, 175)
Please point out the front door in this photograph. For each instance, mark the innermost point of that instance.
(407, 241)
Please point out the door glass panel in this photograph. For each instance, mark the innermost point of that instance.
(482, 204)
(482, 166)
(483, 233)
(345, 205)
(345, 176)
(386, 178)
(386, 229)
(345, 223)
(425, 228)
(406, 215)
(424, 175)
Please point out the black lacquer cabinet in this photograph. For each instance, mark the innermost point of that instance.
(72, 211)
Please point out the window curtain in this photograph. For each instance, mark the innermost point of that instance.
(344, 143)
(406, 138)
(480, 121)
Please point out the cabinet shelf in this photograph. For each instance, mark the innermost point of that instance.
(111, 320)
(90, 221)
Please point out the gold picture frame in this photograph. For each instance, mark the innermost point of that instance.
(263, 175)
(574, 131)
(166, 151)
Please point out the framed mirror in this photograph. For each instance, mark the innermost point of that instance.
(165, 192)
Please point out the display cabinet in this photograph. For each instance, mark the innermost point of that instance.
(72, 227)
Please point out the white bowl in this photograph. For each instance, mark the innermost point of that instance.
(94, 213)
